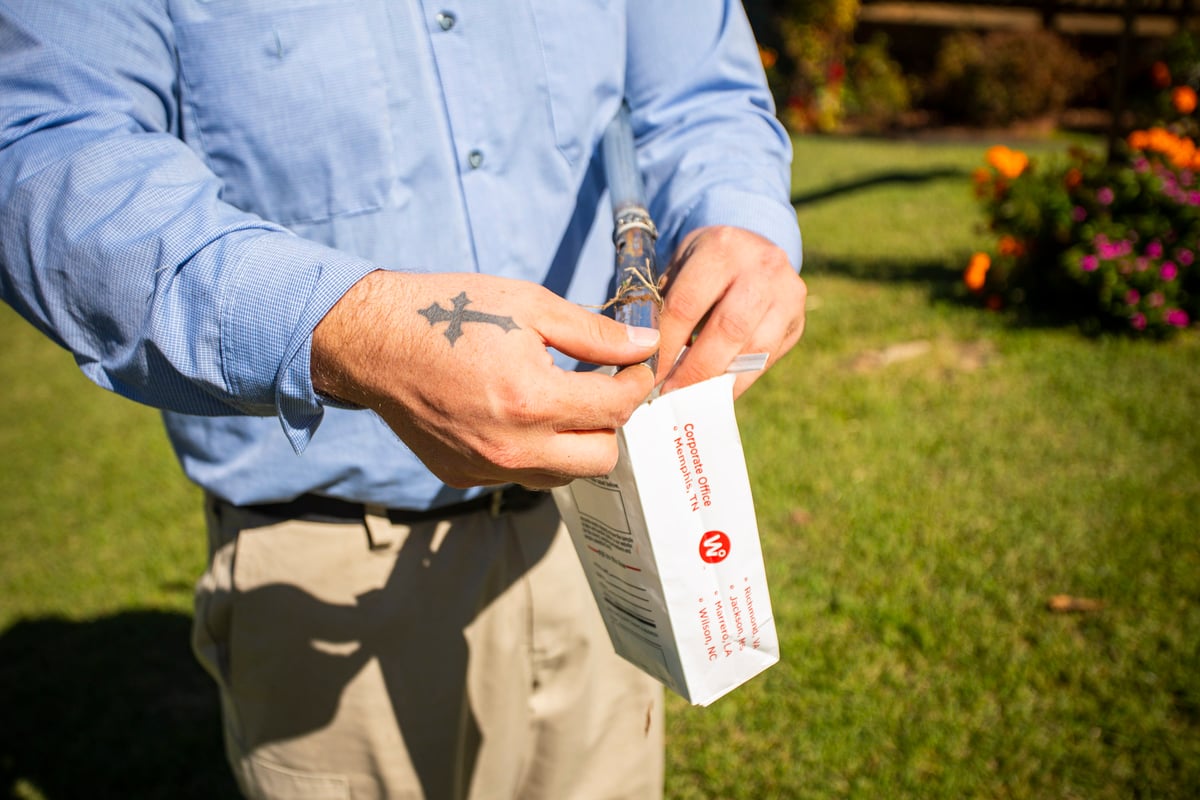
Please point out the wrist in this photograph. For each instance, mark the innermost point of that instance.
(331, 361)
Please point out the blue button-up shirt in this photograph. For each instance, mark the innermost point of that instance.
(187, 186)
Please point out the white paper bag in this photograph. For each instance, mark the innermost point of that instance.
(670, 546)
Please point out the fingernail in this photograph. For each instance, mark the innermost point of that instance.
(642, 337)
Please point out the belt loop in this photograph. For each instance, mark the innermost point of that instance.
(379, 527)
(497, 504)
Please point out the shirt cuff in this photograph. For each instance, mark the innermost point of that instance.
(753, 212)
(285, 285)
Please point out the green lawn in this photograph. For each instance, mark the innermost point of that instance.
(927, 477)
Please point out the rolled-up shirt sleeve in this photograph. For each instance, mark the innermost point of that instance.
(709, 144)
(115, 242)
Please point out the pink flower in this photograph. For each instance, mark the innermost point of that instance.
(1143, 264)
(1089, 263)
(1177, 317)
(1132, 296)
(1154, 249)
(1193, 198)
(1168, 271)
(1105, 196)
(1109, 250)
(1185, 257)
(1138, 321)
(1155, 299)
(1078, 214)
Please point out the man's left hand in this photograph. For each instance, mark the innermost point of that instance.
(738, 293)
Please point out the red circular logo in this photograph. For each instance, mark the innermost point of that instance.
(714, 547)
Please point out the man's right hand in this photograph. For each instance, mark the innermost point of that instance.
(457, 365)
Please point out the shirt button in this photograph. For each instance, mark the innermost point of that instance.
(445, 20)
(475, 159)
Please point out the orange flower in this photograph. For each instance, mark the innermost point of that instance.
(1009, 246)
(1183, 153)
(768, 56)
(1184, 99)
(1009, 163)
(1074, 177)
(976, 274)
(1162, 140)
(1160, 73)
(1179, 150)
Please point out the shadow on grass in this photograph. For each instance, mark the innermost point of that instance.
(943, 282)
(934, 273)
(944, 285)
(112, 707)
(943, 279)
(878, 179)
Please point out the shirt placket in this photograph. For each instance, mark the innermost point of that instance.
(460, 58)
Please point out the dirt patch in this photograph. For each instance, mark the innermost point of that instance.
(949, 357)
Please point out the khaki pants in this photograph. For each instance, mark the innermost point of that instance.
(456, 659)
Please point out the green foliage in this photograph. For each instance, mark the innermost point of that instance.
(817, 37)
(1164, 95)
(877, 92)
(1109, 244)
(1182, 57)
(818, 76)
(1003, 77)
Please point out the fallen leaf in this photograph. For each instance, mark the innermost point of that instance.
(1065, 604)
(801, 516)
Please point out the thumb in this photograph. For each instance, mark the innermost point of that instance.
(595, 339)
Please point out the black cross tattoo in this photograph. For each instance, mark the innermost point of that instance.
(458, 315)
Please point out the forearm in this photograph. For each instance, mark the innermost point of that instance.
(708, 141)
(115, 243)
(161, 292)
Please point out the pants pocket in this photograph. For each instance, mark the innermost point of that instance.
(213, 602)
(242, 614)
(261, 779)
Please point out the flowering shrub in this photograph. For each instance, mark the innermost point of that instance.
(819, 76)
(877, 91)
(817, 37)
(1166, 94)
(1004, 76)
(1108, 242)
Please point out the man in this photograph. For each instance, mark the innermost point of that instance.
(352, 250)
